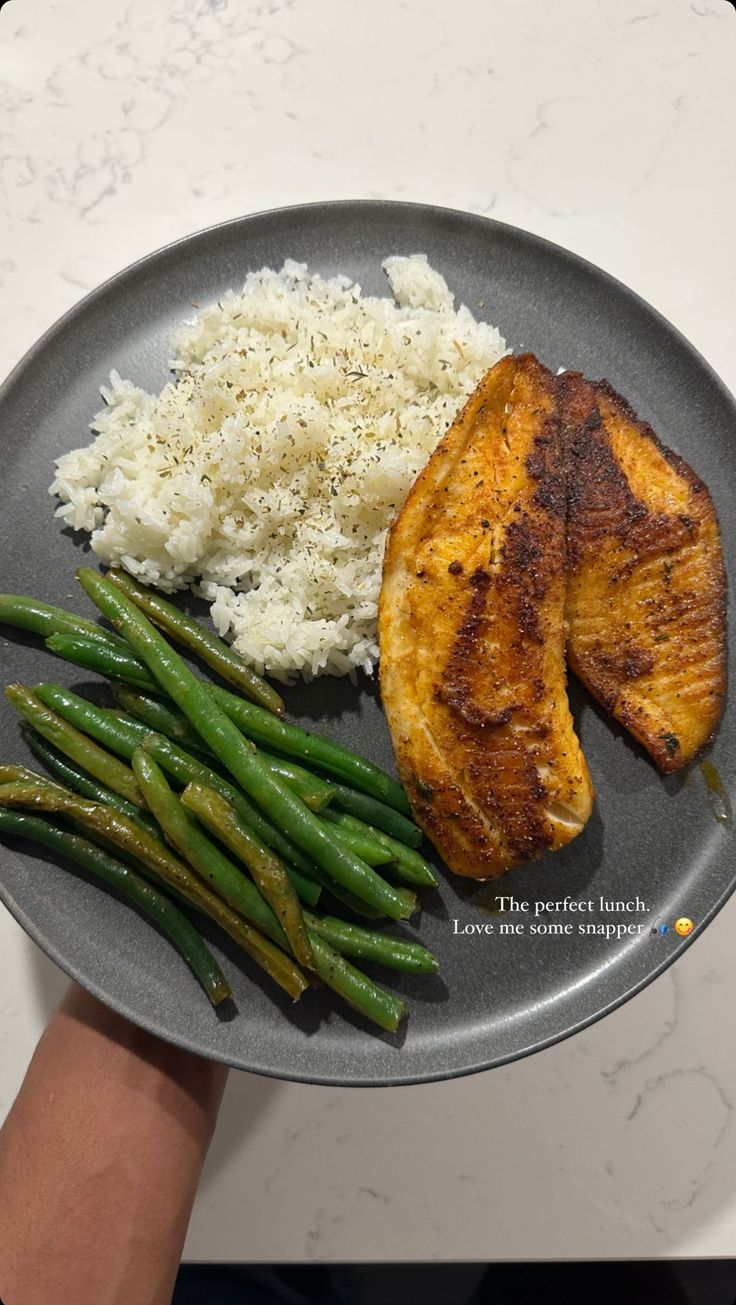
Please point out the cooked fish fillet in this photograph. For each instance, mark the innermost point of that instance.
(646, 587)
(472, 634)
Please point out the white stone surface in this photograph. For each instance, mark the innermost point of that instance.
(607, 127)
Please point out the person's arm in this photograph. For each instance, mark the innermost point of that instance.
(100, 1158)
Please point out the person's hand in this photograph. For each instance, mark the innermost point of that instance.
(100, 1158)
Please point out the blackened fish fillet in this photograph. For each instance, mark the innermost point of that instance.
(471, 628)
(646, 591)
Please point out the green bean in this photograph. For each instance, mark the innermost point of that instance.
(270, 875)
(372, 812)
(174, 925)
(215, 652)
(114, 730)
(342, 895)
(309, 788)
(264, 829)
(369, 945)
(122, 664)
(301, 780)
(370, 851)
(162, 718)
(225, 879)
(219, 817)
(356, 988)
(307, 890)
(375, 813)
(14, 774)
(369, 998)
(187, 769)
(76, 778)
(255, 722)
(408, 865)
(318, 880)
(200, 706)
(123, 735)
(42, 618)
(165, 867)
(323, 753)
(353, 903)
(103, 659)
(74, 744)
(20, 775)
(157, 715)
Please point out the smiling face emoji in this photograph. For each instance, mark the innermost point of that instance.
(683, 926)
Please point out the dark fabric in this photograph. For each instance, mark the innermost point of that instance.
(706, 1282)
(619, 1283)
(233, 1284)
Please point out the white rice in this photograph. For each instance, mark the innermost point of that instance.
(265, 474)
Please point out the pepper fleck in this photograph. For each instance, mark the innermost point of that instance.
(671, 743)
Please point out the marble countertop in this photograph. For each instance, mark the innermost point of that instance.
(603, 127)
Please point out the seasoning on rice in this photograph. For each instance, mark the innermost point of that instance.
(266, 473)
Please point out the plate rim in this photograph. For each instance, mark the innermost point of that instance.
(100, 290)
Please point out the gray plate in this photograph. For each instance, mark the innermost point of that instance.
(499, 997)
